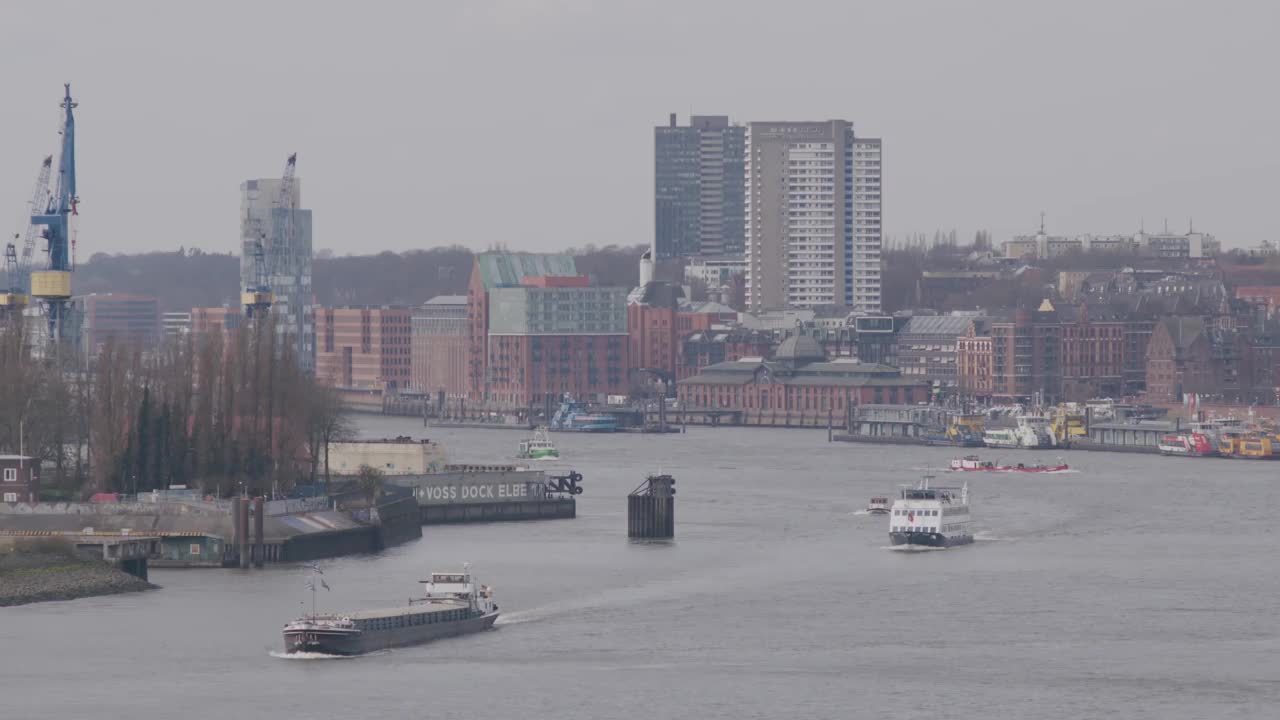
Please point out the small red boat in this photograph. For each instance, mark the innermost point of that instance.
(972, 463)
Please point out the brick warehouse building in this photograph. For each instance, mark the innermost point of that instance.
(799, 380)
(363, 347)
(555, 336)
(438, 354)
(658, 323)
(1091, 353)
(499, 270)
(653, 325)
(1188, 355)
(1072, 353)
(973, 364)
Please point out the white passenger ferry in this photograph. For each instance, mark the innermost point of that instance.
(931, 516)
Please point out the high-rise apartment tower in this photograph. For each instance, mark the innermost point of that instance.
(698, 183)
(813, 216)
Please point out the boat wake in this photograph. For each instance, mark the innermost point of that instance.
(859, 512)
(984, 536)
(912, 548)
(1012, 471)
(518, 617)
(281, 655)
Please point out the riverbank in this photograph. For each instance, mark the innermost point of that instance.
(46, 569)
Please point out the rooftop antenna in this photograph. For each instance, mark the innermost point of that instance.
(1166, 226)
(1041, 222)
(1191, 225)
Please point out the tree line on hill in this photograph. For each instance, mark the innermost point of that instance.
(193, 278)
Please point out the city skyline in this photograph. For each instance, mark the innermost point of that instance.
(982, 132)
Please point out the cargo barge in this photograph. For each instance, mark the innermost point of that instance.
(451, 604)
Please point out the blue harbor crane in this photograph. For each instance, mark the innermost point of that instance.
(39, 202)
(17, 289)
(53, 285)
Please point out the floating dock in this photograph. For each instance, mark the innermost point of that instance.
(492, 493)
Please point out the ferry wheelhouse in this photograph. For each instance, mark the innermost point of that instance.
(1001, 438)
(931, 516)
(538, 447)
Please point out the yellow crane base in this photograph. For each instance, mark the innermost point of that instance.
(51, 284)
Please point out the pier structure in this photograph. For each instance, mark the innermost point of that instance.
(491, 493)
(651, 509)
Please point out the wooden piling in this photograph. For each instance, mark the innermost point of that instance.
(242, 517)
(235, 528)
(259, 521)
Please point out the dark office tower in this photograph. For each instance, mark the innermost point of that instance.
(698, 188)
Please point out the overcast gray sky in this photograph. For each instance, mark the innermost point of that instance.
(530, 122)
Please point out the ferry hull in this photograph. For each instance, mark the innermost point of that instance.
(938, 540)
(361, 642)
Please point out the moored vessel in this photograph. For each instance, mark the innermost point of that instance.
(1189, 444)
(1248, 445)
(973, 463)
(451, 604)
(1004, 438)
(575, 416)
(931, 516)
(1031, 432)
(538, 447)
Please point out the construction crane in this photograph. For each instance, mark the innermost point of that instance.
(285, 203)
(53, 286)
(13, 299)
(39, 203)
(258, 298)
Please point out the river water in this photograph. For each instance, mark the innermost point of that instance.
(1132, 587)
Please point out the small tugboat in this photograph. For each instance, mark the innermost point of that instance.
(931, 516)
(878, 506)
(452, 604)
(538, 447)
(972, 463)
